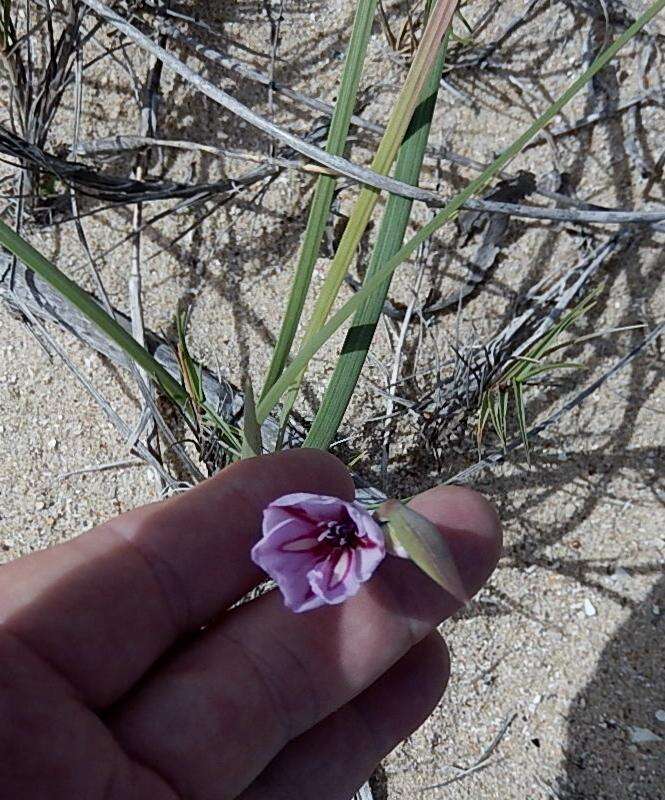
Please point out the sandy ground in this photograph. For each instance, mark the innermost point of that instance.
(562, 652)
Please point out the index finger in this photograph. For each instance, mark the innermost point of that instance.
(103, 607)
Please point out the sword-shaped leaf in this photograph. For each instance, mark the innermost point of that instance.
(408, 531)
(252, 444)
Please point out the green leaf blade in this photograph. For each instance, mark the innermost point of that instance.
(252, 444)
(338, 394)
(424, 544)
(316, 339)
(324, 191)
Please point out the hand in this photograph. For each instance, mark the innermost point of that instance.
(111, 688)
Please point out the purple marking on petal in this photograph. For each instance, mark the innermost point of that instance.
(323, 584)
(297, 545)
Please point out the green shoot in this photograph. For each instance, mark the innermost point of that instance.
(400, 118)
(391, 235)
(494, 403)
(251, 441)
(325, 187)
(201, 414)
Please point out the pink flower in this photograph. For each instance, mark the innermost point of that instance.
(318, 549)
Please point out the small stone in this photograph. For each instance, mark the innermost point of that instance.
(642, 735)
(620, 574)
(7, 544)
(589, 608)
(39, 505)
(660, 715)
(52, 444)
(655, 610)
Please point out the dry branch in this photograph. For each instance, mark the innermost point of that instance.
(343, 166)
(236, 67)
(496, 458)
(112, 189)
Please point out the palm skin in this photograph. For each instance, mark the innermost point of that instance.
(124, 677)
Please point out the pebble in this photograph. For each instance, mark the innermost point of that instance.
(52, 444)
(533, 705)
(620, 574)
(642, 735)
(660, 715)
(655, 610)
(589, 608)
(7, 544)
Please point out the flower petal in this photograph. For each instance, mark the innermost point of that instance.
(366, 524)
(334, 579)
(342, 573)
(367, 560)
(282, 555)
(317, 507)
(305, 542)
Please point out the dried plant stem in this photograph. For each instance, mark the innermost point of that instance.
(318, 338)
(250, 73)
(117, 190)
(336, 164)
(135, 281)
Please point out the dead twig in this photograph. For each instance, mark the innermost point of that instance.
(124, 191)
(496, 458)
(111, 465)
(482, 761)
(341, 165)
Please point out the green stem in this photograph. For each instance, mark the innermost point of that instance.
(325, 187)
(391, 235)
(318, 338)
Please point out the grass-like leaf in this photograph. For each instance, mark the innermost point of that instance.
(201, 414)
(518, 391)
(494, 400)
(400, 119)
(79, 298)
(251, 441)
(389, 240)
(192, 372)
(325, 187)
(187, 395)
